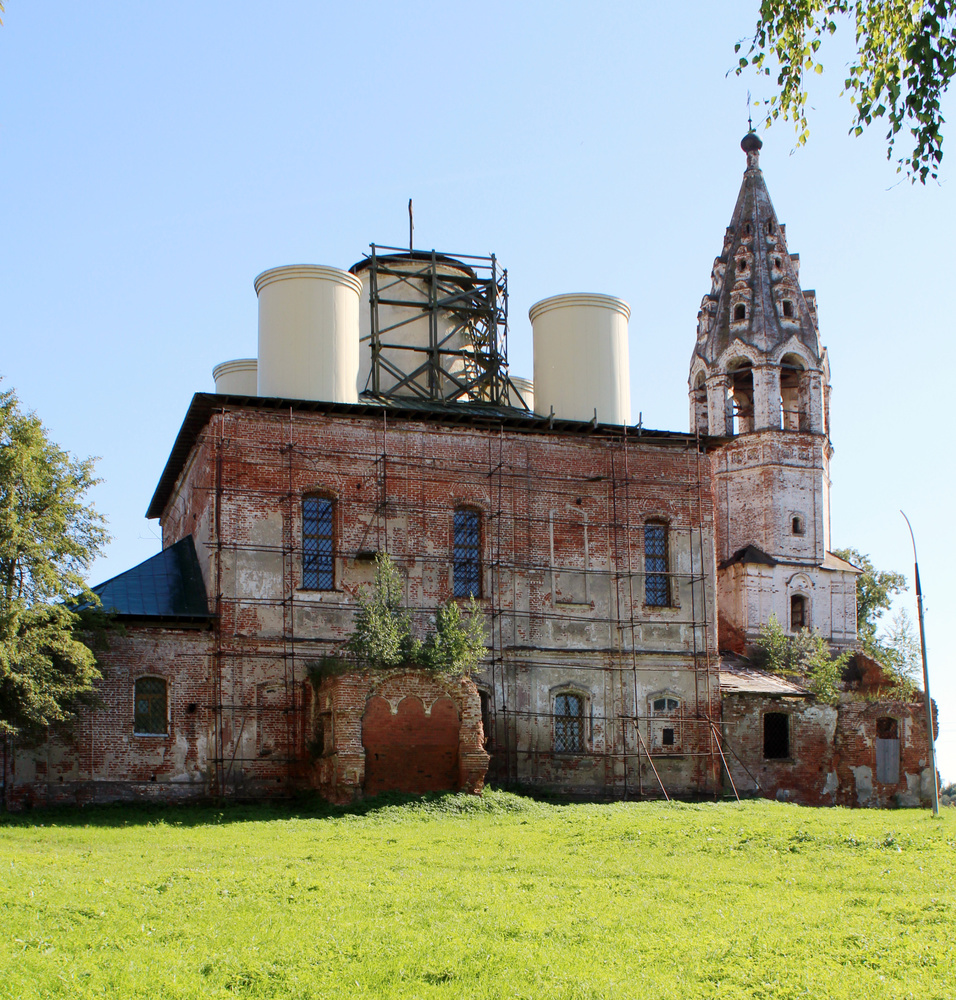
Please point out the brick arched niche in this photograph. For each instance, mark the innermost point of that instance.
(409, 748)
(400, 730)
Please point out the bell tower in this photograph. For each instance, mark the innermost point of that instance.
(760, 380)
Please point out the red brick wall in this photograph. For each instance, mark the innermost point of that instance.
(101, 758)
(555, 611)
(832, 751)
(409, 751)
(401, 730)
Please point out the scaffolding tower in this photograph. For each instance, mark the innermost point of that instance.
(463, 300)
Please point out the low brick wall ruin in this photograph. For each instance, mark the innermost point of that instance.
(401, 730)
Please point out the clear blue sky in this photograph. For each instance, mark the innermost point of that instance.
(156, 157)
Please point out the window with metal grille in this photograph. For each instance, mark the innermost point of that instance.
(656, 589)
(467, 555)
(776, 735)
(665, 706)
(149, 706)
(568, 723)
(318, 555)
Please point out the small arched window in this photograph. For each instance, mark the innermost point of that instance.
(788, 308)
(466, 565)
(568, 723)
(798, 612)
(318, 549)
(149, 707)
(740, 311)
(797, 526)
(665, 722)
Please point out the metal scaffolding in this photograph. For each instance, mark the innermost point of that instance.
(464, 300)
(265, 459)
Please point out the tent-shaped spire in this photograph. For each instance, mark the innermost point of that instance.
(755, 295)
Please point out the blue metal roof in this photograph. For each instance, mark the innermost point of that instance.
(167, 585)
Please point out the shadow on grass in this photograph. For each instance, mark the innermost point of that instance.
(193, 814)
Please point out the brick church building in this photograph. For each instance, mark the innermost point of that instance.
(621, 572)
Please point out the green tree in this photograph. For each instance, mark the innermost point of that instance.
(48, 537)
(895, 645)
(905, 59)
(899, 652)
(875, 590)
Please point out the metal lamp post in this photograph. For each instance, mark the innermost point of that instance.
(929, 701)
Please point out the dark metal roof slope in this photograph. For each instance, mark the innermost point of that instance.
(167, 585)
(749, 554)
(205, 404)
(755, 269)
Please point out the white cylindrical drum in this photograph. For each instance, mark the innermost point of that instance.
(308, 333)
(237, 378)
(526, 388)
(581, 357)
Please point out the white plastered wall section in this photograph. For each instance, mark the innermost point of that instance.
(748, 594)
(764, 481)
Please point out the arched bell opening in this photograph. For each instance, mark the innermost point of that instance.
(741, 378)
(794, 394)
(699, 402)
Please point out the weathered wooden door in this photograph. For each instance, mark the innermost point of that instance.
(887, 751)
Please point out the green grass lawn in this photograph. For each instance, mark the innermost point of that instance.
(494, 897)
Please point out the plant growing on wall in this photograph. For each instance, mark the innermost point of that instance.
(383, 639)
(803, 656)
(382, 634)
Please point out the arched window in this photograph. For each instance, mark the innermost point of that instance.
(656, 582)
(797, 526)
(665, 721)
(798, 612)
(776, 736)
(787, 308)
(318, 550)
(568, 723)
(740, 311)
(149, 707)
(466, 566)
